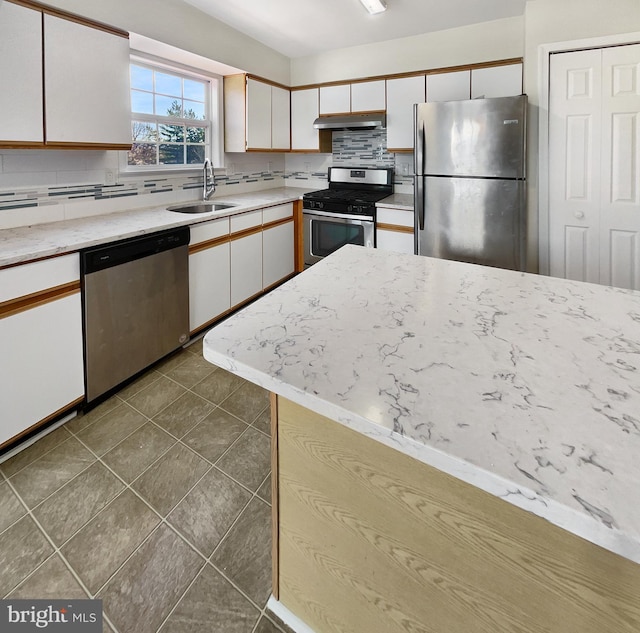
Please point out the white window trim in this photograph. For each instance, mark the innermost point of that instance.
(216, 131)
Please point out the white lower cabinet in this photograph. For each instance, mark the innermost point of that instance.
(209, 272)
(277, 253)
(246, 267)
(209, 284)
(41, 339)
(394, 230)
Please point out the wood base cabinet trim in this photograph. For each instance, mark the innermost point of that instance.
(373, 541)
(50, 418)
(20, 304)
(273, 399)
(397, 228)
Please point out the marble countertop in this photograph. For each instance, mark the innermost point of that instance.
(525, 386)
(43, 240)
(402, 201)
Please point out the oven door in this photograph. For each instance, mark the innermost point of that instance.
(326, 232)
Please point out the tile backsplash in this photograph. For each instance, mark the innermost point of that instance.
(45, 186)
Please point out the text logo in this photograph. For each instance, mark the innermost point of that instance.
(52, 616)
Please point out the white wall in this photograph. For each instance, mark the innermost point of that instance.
(181, 25)
(548, 21)
(498, 39)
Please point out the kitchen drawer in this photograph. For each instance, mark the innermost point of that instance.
(279, 212)
(19, 281)
(209, 230)
(398, 217)
(245, 221)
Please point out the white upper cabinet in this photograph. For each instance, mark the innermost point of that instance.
(256, 115)
(401, 95)
(496, 81)
(21, 71)
(367, 96)
(304, 111)
(335, 99)
(86, 84)
(280, 118)
(258, 112)
(449, 86)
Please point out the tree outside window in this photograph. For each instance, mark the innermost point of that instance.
(171, 124)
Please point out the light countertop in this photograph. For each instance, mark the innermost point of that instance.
(402, 201)
(525, 386)
(43, 240)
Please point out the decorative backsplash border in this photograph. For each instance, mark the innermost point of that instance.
(357, 148)
(129, 187)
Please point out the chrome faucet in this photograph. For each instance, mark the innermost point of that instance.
(209, 181)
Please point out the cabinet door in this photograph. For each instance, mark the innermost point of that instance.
(258, 110)
(280, 118)
(209, 284)
(45, 375)
(401, 95)
(246, 268)
(449, 86)
(86, 83)
(335, 99)
(21, 72)
(398, 242)
(278, 253)
(304, 111)
(497, 81)
(367, 96)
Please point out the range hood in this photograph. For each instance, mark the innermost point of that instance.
(369, 121)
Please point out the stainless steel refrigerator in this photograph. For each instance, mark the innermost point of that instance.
(469, 187)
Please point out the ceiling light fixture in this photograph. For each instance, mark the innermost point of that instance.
(374, 6)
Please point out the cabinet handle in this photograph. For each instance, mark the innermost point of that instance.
(579, 214)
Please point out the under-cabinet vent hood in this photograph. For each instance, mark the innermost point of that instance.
(369, 121)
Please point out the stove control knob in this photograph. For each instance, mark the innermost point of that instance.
(350, 208)
(320, 205)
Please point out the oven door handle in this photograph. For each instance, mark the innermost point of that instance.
(337, 216)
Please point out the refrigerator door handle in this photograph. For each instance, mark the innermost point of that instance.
(418, 187)
(418, 143)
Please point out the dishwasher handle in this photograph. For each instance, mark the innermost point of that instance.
(116, 253)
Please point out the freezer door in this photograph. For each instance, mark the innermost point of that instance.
(478, 137)
(474, 220)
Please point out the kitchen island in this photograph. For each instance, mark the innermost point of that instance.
(455, 446)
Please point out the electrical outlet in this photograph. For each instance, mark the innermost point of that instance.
(404, 169)
(109, 177)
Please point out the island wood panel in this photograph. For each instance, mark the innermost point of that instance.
(371, 540)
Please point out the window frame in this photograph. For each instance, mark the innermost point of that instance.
(214, 122)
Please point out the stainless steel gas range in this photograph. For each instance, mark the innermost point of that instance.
(345, 213)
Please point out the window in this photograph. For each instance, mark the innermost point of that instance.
(171, 118)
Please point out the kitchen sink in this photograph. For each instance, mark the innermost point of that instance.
(200, 207)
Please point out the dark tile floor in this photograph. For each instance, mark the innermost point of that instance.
(157, 502)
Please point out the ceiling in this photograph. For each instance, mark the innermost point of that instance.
(297, 28)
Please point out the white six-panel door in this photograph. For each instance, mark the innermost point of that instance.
(594, 202)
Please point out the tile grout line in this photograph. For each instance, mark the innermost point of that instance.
(56, 551)
(163, 520)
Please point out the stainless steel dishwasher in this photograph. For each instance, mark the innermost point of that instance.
(136, 306)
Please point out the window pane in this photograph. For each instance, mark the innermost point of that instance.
(168, 84)
(141, 78)
(171, 154)
(193, 110)
(141, 102)
(196, 134)
(195, 154)
(168, 106)
(142, 131)
(172, 133)
(142, 154)
(193, 90)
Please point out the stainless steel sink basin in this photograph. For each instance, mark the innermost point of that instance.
(200, 207)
